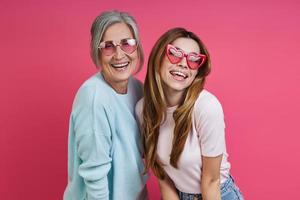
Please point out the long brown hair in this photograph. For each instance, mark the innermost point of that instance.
(154, 109)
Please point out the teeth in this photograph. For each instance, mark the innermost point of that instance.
(120, 64)
(178, 73)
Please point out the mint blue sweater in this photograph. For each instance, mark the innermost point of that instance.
(104, 152)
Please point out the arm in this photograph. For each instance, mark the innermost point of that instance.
(92, 135)
(210, 179)
(167, 189)
(211, 129)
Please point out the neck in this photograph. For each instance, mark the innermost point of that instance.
(119, 87)
(173, 97)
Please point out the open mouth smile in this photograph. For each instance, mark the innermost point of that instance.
(178, 75)
(120, 65)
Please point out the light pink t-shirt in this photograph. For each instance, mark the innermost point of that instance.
(206, 138)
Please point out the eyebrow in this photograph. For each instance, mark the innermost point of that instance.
(178, 48)
(185, 51)
(120, 40)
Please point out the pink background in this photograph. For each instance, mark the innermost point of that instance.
(256, 73)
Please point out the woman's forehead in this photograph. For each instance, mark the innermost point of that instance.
(186, 44)
(117, 32)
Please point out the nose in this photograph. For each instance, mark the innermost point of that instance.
(119, 53)
(183, 63)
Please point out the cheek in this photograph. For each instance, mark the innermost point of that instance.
(193, 75)
(133, 57)
(104, 60)
(164, 66)
(163, 71)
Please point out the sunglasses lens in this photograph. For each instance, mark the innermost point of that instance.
(174, 55)
(108, 48)
(128, 45)
(194, 61)
(193, 65)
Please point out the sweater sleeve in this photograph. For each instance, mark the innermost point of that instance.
(93, 140)
(210, 127)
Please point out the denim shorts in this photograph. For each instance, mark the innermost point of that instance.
(229, 191)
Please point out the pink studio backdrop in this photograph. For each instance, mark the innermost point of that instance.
(256, 73)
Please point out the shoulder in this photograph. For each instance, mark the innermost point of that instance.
(93, 89)
(139, 110)
(207, 104)
(94, 81)
(97, 82)
(135, 89)
(209, 117)
(139, 107)
(136, 84)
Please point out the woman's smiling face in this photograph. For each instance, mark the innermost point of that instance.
(178, 77)
(118, 67)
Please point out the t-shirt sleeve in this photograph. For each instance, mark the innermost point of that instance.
(93, 140)
(210, 127)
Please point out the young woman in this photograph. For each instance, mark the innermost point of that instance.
(182, 123)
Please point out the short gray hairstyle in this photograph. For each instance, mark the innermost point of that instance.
(105, 20)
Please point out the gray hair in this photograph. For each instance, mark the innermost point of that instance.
(100, 25)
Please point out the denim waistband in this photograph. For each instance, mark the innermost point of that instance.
(224, 187)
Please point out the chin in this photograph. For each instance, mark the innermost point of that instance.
(177, 87)
(122, 77)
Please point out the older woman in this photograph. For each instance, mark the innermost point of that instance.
(104, 155)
